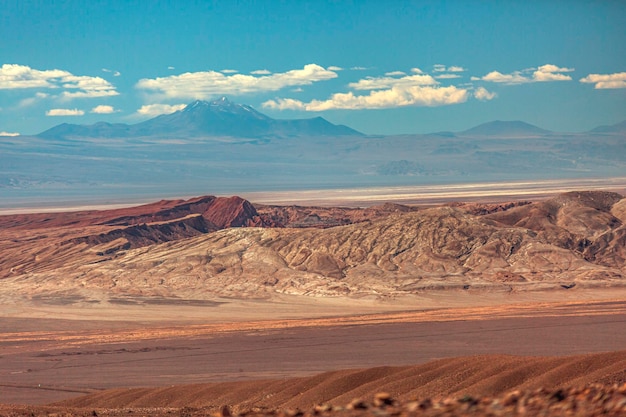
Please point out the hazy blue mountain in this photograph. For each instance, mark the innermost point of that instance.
(203, 118)
(262, 153)
(501, 128)
(616, 128)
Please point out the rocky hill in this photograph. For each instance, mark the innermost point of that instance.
(575, 240)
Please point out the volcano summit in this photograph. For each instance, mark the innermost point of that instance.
(220, 117)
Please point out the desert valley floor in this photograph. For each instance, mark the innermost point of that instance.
(187, 306)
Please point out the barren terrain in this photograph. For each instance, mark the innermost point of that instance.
(220, 293)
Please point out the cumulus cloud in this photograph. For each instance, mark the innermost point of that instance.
(497, 77)
(395, 73)
(417, 71)
(551, 72)
(261, 72)
(456, 69)
(397, 96)
(379, 83)
(543, 73)
(482, 94)
(157, 109)
(9, 133)
(14, 76)
(65, 112)
(334, 68)
(87, 87)
(202, 85)
(395, 89)
(103, 109)
(229, 71)
(606, 81)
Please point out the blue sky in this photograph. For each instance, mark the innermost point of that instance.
(381, 67)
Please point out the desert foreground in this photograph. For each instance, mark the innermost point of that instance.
(183, 307)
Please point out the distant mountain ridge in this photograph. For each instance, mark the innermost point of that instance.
(515, 128)
(224, 118)
(616, 128)
(200, 118)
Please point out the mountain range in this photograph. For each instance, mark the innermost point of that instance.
(225, 118)
(200, 118)
(225, 147)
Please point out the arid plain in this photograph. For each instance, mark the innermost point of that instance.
(285, 306)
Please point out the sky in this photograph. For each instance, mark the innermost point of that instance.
(381, 67)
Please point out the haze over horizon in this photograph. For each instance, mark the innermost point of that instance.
(408, 67)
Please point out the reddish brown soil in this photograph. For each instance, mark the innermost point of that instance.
(41, 366)
(475, 376)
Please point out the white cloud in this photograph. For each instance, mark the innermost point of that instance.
(397, 96)
(103, 109)
(439, 68)
(447, 76)
(497, 77)
(606, 81)
(551, 72)
(285, 104)
(417, 71)
(482, 94)
(334, 68)
(14, 76)
(157, 109)
(543, 73)
(261, 72)
(379, 83)
(395, 73)
(65, 112)
(229, 71)
(358, 68)
(87, 87)
(456, 69)
(201, 85)
(171, 68)
(9, 134)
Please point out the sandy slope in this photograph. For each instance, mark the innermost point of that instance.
(475, 375)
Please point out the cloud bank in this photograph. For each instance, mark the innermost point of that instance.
(398, 96)
(203, 85)
(14, 76)
(395, 89)
(606, 81)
